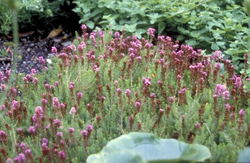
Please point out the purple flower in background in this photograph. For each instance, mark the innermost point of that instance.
(242, 112)
(89, 128)
(14, 104)
(20, 158)
(226, 95)
(127, 92)
(217, 55)
(33, 71)
(62, 155)
(28, 151)
(219, 89)
(59, 134)
(84, 132)
(237, 83)
(54, 50)
(151, 31)
(137, 103)
(31, 130)
(71, 130)
(152, 95)
(117, 35)
(171, 99)
(79, 94)
(57, 122)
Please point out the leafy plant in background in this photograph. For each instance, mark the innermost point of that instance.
(43, 10)
(208, 24)
(106, 85)
(148, 147)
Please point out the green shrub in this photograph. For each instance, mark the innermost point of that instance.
(107, 85)
(40, 10)
(207, 24)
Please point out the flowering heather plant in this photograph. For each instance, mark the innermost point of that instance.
(107, 85)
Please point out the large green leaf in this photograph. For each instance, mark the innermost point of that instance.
(244, 156)
(150, 148)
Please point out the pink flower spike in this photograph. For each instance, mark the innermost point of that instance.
(137, 103)
(59, 134)
(127, 92)
(198, 125)
(242, 112)
(89, 128)
(72, 111)
(79, 94)
(54, 50)
(84, 132)
(71, 130)
(171, 99)
(31, 130)
(119, 90)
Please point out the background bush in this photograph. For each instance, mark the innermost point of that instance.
(31, 13)
(208, 24)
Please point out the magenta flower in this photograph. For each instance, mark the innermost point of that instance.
(117, 35)
(237, 83)
(39, 111)
(219, 89)
(28, 151)
(57, 122)
(56, 102)
(2, 87)
(127, 92)
(171, 99)
(226, 95)
(71, 130)
(1, 75)
(31, 130)
(242, 112)
(151, 31)
(152, 95)
(20, 158)
(137, 103)
(44, 101)
(84, 132)
(119, 90)
(3, 107)
(2, 134)
(198, 125)
(54, 50)
(59, 134)
(79, 94)
(62, 155)
(33, 71)
(83, 27)
(227, 106)
(72, 111)
(89, 128)
(14, 104)
(146, 81)
(217, 55)
(35, 80)
(179, 76)
(56, 83)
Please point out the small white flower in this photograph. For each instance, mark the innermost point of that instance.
(49, 61)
